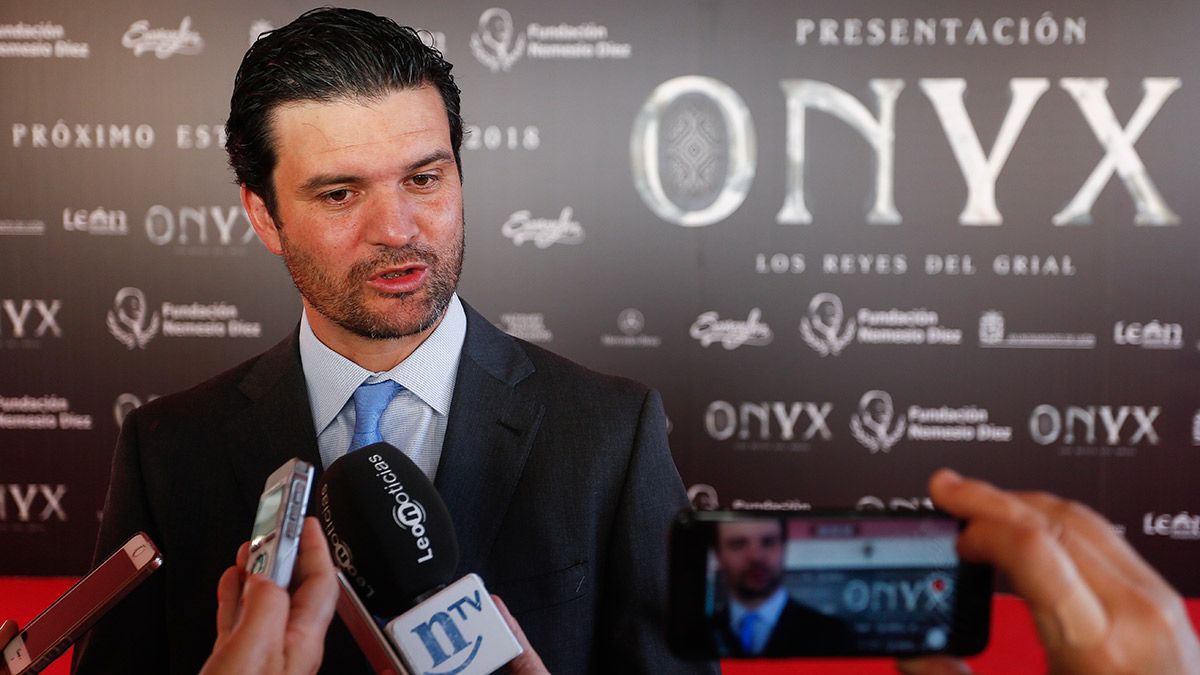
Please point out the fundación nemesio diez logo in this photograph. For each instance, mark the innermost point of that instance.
(496, 44)
(128, 320)
(822, 328)
(133, 324)
(876, 425)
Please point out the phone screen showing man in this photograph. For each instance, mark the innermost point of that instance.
(808, 586)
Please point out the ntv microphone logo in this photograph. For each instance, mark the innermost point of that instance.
(456, 629)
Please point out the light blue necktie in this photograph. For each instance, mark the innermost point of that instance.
(746, 632)
(370, 400)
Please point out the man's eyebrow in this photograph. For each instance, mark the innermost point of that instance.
(441, 155)
(321, 180)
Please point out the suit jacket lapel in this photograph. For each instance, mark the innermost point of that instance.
(488, 437)
(277, 425)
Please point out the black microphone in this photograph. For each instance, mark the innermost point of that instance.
(388, 528)
(390, 533)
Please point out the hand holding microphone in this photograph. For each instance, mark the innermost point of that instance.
(392, 536)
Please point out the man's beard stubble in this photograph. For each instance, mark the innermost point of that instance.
(343, 300)
(751, 592)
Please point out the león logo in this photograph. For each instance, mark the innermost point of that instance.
(1183, 525)
(496, 43)
(825, 328)
(876, 425)
(128, 320)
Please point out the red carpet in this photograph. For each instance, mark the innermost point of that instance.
(1013, 648)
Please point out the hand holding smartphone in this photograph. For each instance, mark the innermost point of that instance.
(747, 584)
(275, 539)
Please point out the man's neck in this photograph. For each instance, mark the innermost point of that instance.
(752, 604)
(376, 356)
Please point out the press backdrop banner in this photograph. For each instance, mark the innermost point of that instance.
(848, 242)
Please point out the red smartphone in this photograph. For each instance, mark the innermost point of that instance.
(74, 612)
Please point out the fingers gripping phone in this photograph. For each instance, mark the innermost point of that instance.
(275, 540)
(748, 584)
(74, 612)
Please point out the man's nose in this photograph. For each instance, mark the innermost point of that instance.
(394, 220)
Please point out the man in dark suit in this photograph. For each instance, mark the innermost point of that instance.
(344, 133)
(760, 618)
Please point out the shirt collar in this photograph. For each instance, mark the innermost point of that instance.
(769, 611)
(429, 372)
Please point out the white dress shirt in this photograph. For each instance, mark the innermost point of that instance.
(415, 421)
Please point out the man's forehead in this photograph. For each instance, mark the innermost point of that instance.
(753, 528)
(403, 120)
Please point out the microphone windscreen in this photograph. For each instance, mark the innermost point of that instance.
(388, 528)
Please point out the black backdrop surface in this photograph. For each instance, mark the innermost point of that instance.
(849, 242)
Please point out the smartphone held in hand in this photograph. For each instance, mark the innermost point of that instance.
(750, 584)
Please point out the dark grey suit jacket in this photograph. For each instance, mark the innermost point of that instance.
(559, 482)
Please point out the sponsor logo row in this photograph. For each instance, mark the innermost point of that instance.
(829, 330)
(226, 228)
(26, 323)
(498, 42)
(52, 412)
(825, 328)
(879, 425)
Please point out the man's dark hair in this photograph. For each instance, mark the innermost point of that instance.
(714, 537)
(324, 55)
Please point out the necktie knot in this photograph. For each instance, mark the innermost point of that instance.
(370, 400)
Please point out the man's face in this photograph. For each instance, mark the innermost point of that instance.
(369, 212)
(750, 554)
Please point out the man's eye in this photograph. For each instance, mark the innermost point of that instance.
(424, 180)
(337, 196)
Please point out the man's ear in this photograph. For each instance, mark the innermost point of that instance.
(261, 220)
